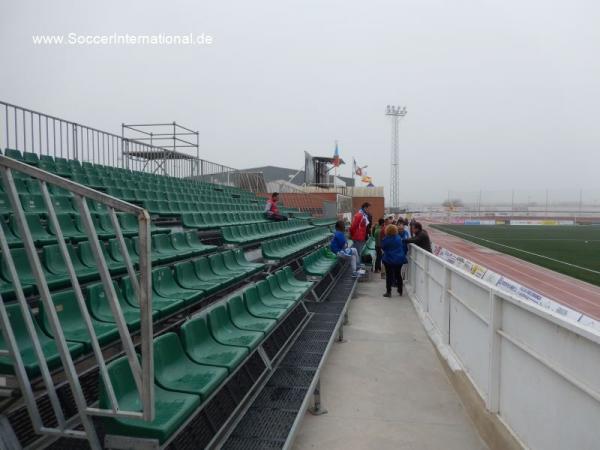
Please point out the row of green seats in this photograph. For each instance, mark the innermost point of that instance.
(208, 221)
(323, 222)
(71, 227)
(103, 176)
(191, 365)
(172, 208)
(289, 245)
(245, 234)
(172, 289)
(165, 247)
(139, 195)
(319, 263)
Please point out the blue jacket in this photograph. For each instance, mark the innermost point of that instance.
(393, 250)
(404, 236)
(338, 242)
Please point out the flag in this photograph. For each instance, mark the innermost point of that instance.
(357, 169)
(336, 156)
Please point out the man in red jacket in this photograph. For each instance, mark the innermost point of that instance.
(358, 228)
(271, 209)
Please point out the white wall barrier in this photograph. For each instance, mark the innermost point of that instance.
(539, 373)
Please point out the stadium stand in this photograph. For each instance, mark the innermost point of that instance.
(221, 322)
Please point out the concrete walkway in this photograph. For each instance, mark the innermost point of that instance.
(385, 388)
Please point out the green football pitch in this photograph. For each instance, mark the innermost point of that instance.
(572, 250)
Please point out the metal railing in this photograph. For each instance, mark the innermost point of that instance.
(142, 371)
(35, 132)
(536, 371)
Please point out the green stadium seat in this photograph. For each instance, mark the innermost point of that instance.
(258, 309)
(38, 232)
(268, 299)
(280, 293)
(242, 319)
(114, 250)
(165, 250)
(225, 332)
(25, 345)
(204, 272)
(319, 263)
(14, 154)
(217, 265)
(5, 207)
(195, 243)
(55, 264)
(63, 204)
(292, 279)
(26, 275)
(87, 258)
(185, 275)
(11, 238)
(164, 306)
(180, 243)
(232, 263)
(285, 285)
(175, 371)
(164, 285)
(72, 323)
(100, 309)
(202, 348)
(31, 158)
(70, 227)
(172, 408)
(33, 203)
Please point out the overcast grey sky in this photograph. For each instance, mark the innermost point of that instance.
(500, 94)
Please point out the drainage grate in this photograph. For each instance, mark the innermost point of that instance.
(299, 359)
(291, 377)
(237, 443)
(265, 424)
(277, 397)
(314, 335)
(197, 434)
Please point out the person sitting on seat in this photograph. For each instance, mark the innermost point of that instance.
(339, 247)
(271, 209)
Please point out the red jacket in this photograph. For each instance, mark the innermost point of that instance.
(358, 228)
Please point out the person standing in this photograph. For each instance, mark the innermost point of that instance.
(358, 228)
(420, 237)
(271, 209)
(393, 259)
(377, 233)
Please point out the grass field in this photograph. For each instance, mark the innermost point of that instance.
(572, 250)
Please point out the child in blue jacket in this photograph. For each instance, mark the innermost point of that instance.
(339, 246)
(394, 256)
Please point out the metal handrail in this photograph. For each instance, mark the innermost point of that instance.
(143, 372)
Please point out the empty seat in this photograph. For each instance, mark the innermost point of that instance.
(164, 285)
(280, 293)
(171, 408)
(175, 371)
(72, 322)
(55, 263)
(202, 348)
(242, 319)
(259, 309)
(36, 227)
(70, 227)
(25, 345)
(87, 257)
(268, 299)
(217, 265)
(185, 275)
(195, 243)
(100, 308)
(165, 250)
(225, 332)
(164, 306)
(12, 239)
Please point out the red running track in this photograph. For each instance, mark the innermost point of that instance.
(577, 294)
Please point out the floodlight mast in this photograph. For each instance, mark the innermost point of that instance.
(395, 113)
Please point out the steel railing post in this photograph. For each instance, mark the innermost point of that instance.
(494, 345)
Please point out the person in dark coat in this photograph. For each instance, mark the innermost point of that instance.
(420, 237)
(393, 259)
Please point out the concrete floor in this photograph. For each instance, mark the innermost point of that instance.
(385, 388)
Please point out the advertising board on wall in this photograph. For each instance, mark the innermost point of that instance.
(507, 285)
